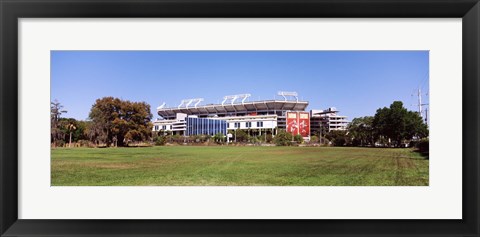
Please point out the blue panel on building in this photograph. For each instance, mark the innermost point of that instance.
(205, 126)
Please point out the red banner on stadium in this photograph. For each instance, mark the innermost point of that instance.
(298, 123)
(292, 123)
(304, 124)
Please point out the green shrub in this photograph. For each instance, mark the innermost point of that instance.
(423, 145)
(60, 143)
(283, 138)
(83, 143)
(241, 136)
(160, 141)
(219, 138)
(269, 138)
(254, 139)
(298, 138)
(338, 138)
(340, 141)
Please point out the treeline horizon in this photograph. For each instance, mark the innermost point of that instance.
(116, 122)
(390, 126)
(112, 121)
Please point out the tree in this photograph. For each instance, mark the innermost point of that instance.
(269, 138)
(56, 110)
(71, 127)
(414, 126)
(361, 131)
(160, 140)
(219, 138)
(93, 132)
(283, 138)
(67, 126)
(322, 133)
(70, 130)
(240, 135)
(121, 119)
(337, 137)
(398, 124)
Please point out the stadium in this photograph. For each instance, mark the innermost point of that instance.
(257, 118)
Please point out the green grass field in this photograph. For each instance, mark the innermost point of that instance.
(238, 166)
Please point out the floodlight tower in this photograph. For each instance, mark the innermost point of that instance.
(187, 102)
(181, 104)
(161, 106)
(233, 98)
(284, 94)
(198, 100)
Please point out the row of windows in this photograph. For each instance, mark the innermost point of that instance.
(193, 123)
(164, 127)
(247, 124)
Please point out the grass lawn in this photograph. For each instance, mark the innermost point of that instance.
(238, 166)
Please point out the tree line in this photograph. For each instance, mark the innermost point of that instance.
(111, 122)
(390, 126)
(116, 122)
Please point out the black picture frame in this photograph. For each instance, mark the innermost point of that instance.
(11, 11)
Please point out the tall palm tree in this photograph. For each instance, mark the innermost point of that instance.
(55, 112)
(71, 127)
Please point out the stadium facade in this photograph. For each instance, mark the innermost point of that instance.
(255, 117)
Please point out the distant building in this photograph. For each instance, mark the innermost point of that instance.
(327, 120)
(235, 112)
(176, 125)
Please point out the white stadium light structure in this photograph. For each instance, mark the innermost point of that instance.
(161, 106)
(235, 97)
(198, 102)
(188, 102)
(284, 94)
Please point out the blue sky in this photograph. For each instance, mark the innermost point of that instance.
(355, 82)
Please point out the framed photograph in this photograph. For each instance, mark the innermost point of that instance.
(256, 118)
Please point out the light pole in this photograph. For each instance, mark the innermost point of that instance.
(321, 128)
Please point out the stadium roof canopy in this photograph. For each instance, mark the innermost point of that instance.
(261, 107)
